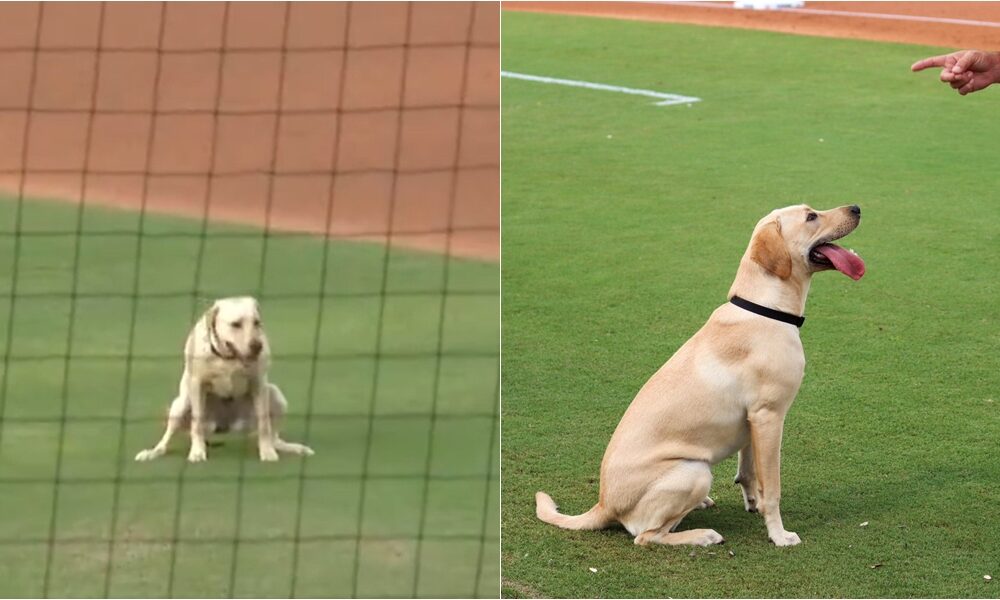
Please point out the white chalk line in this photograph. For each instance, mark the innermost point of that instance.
(665, 98)
(841, 13)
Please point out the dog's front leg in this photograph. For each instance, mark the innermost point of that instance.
(765, 438)
(265, 430)
(196, 396)
(746, 477)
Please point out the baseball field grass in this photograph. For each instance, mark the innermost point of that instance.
(624, 223)
(396, 395)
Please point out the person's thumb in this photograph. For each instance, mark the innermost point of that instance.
(965, 61)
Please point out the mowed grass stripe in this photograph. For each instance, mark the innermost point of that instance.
(623, 227)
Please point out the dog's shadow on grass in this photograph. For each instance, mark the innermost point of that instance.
(727, 517)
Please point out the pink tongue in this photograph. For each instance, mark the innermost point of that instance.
(848, 263)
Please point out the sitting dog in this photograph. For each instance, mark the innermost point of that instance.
(224, 386)
(727, 389)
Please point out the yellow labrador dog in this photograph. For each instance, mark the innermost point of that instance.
(726, 390)
(224, 386)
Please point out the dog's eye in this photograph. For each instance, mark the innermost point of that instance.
(256, 323)
(811, 216)
(236, 325)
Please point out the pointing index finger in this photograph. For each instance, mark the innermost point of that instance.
(934, 61)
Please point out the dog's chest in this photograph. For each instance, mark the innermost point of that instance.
(229, 382)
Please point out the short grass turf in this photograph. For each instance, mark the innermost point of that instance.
(234, 510)
(623, 226)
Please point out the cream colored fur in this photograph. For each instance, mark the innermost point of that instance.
(224, 386)
(726, 390)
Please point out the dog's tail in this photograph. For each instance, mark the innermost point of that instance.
(595, 518)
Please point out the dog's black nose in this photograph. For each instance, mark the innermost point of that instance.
(256, 347)
(855, 210)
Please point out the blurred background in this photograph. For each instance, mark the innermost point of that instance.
(339, 161)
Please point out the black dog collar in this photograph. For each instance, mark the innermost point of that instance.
(770, 313)
(214, 350)
(212, 336)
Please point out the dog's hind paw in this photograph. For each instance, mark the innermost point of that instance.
(707, 537)
(149, 454)
(293, 448)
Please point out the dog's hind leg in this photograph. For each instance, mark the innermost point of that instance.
(691, 537)
(177, 416)
(679, 490)
(279, 406)
(292, 448)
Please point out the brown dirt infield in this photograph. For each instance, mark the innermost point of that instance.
(106, 105)
(806, 22)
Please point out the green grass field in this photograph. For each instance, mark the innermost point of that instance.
(624, 223)
(433, 434)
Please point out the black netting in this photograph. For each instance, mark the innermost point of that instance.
(340, 163)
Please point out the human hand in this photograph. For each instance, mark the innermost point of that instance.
(966, 70)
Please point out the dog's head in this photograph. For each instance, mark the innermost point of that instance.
(797, 241)
(234, 328)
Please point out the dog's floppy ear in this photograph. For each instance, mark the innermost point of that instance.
(209, 317)
(769, 251)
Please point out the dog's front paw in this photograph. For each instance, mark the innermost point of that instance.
(149, 454)
(268, 454)
(786, 538)
(197, 455)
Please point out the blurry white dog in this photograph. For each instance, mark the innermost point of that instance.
(224, 386)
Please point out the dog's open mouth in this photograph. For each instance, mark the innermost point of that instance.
(832, 256)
